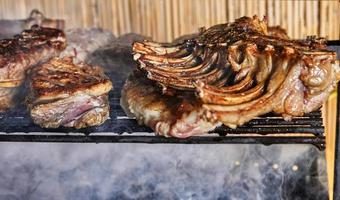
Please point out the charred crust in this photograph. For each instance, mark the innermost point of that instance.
(61, 76)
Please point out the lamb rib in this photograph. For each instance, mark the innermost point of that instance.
(241, 70)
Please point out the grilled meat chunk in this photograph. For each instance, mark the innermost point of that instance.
(177, 115)
(243, 70)
(30, 48)
(75, 111)
(19, 54)
(65, 94)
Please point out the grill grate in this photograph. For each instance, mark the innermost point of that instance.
(16, 126)
(269, 129)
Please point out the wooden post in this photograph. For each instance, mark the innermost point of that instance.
(336, 187)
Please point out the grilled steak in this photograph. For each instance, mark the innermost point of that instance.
(169, 115)
(28, 49)
(241, 70)
(65, 94)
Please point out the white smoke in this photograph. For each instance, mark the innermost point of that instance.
(159, 171)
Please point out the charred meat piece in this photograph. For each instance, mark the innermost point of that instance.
(241, 71)
(30, 48)
(24, 51)
(65, 94)
(177, 115)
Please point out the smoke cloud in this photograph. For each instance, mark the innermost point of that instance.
(167, 171)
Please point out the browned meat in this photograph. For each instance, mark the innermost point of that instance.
(176, 116)
(19, 54)
(64, 94)
(77, 111)
(240, 71)
(31, 47)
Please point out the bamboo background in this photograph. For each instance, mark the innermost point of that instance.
(165, 20)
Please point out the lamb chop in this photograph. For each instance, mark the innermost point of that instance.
(239, 71)
(65, 94)
(24, 51)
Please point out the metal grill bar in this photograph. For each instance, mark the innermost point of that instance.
(206, 139)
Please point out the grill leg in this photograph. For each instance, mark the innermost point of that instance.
(336, 188)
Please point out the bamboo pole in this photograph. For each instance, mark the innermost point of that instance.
(270, 12)
(295, 19)
(231, 8)
(261, 8)
(168, 10)
(330, 125)
(277, 11)
(175, 22)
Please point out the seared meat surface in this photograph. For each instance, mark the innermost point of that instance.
(65, 94)
(169, 115)
(17, 55)
(30, 48)
(242, 70)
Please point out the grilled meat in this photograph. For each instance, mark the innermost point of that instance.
(176, 116)
(30, 48)
(19, 54)
(77, 111)
(65, 94)
(241, 70)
